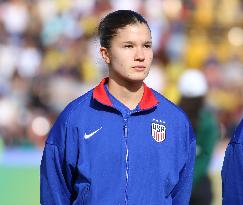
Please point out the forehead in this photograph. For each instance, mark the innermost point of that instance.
(133, 32)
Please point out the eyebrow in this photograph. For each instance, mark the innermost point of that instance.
(131, 42)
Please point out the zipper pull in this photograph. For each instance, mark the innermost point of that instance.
(125, 128)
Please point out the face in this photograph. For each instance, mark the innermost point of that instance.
(130, 54)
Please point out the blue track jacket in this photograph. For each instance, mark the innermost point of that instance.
(100, 154)
(232, 171)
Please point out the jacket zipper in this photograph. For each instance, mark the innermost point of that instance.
(127, 155)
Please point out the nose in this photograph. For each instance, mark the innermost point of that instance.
(139, 55)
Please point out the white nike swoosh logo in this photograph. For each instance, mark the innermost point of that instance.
(87, 136)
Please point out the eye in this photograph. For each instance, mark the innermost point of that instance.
(128, 46)
(148, 46)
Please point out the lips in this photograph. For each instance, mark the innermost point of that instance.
(139, 67)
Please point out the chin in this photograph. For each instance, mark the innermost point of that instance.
(131, 78)
(137, 78)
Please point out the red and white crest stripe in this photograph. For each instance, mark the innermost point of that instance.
(158, 132)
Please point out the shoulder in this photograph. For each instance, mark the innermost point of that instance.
(68, 113)
(66, 119)
(175, 115)
(170, 108)
(238, 134)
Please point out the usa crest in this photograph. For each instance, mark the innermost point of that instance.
(158, 131)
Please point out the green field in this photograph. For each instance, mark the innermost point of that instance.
(19, 185)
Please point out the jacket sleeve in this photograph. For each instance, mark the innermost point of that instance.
(53, 186)
(182, 191)
(57, 170)
(232, 174)
(232, 170)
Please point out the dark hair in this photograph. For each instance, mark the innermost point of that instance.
(192, 107)
(116, 20)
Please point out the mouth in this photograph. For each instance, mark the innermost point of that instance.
(139, 67)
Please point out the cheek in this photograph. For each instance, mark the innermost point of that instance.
(118, 61)
(150, 55)
(150, 59)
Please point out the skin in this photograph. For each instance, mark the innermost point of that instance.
(129, 59)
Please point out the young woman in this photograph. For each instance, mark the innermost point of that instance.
(232, 171)
(120, 143)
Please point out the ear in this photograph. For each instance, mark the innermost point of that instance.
(105, 54)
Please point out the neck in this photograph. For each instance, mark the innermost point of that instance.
(129, 93)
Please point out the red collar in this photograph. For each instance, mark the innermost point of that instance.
(148, 100)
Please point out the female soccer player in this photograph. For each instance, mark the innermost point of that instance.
(232, 171)
(121, 143)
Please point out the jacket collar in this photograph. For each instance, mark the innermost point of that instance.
(148, 100)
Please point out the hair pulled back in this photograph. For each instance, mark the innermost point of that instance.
(119, 19)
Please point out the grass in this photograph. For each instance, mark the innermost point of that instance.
(19, 185)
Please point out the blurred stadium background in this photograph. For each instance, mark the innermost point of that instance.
(49, 56)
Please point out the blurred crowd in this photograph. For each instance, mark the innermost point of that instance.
(49, 56)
